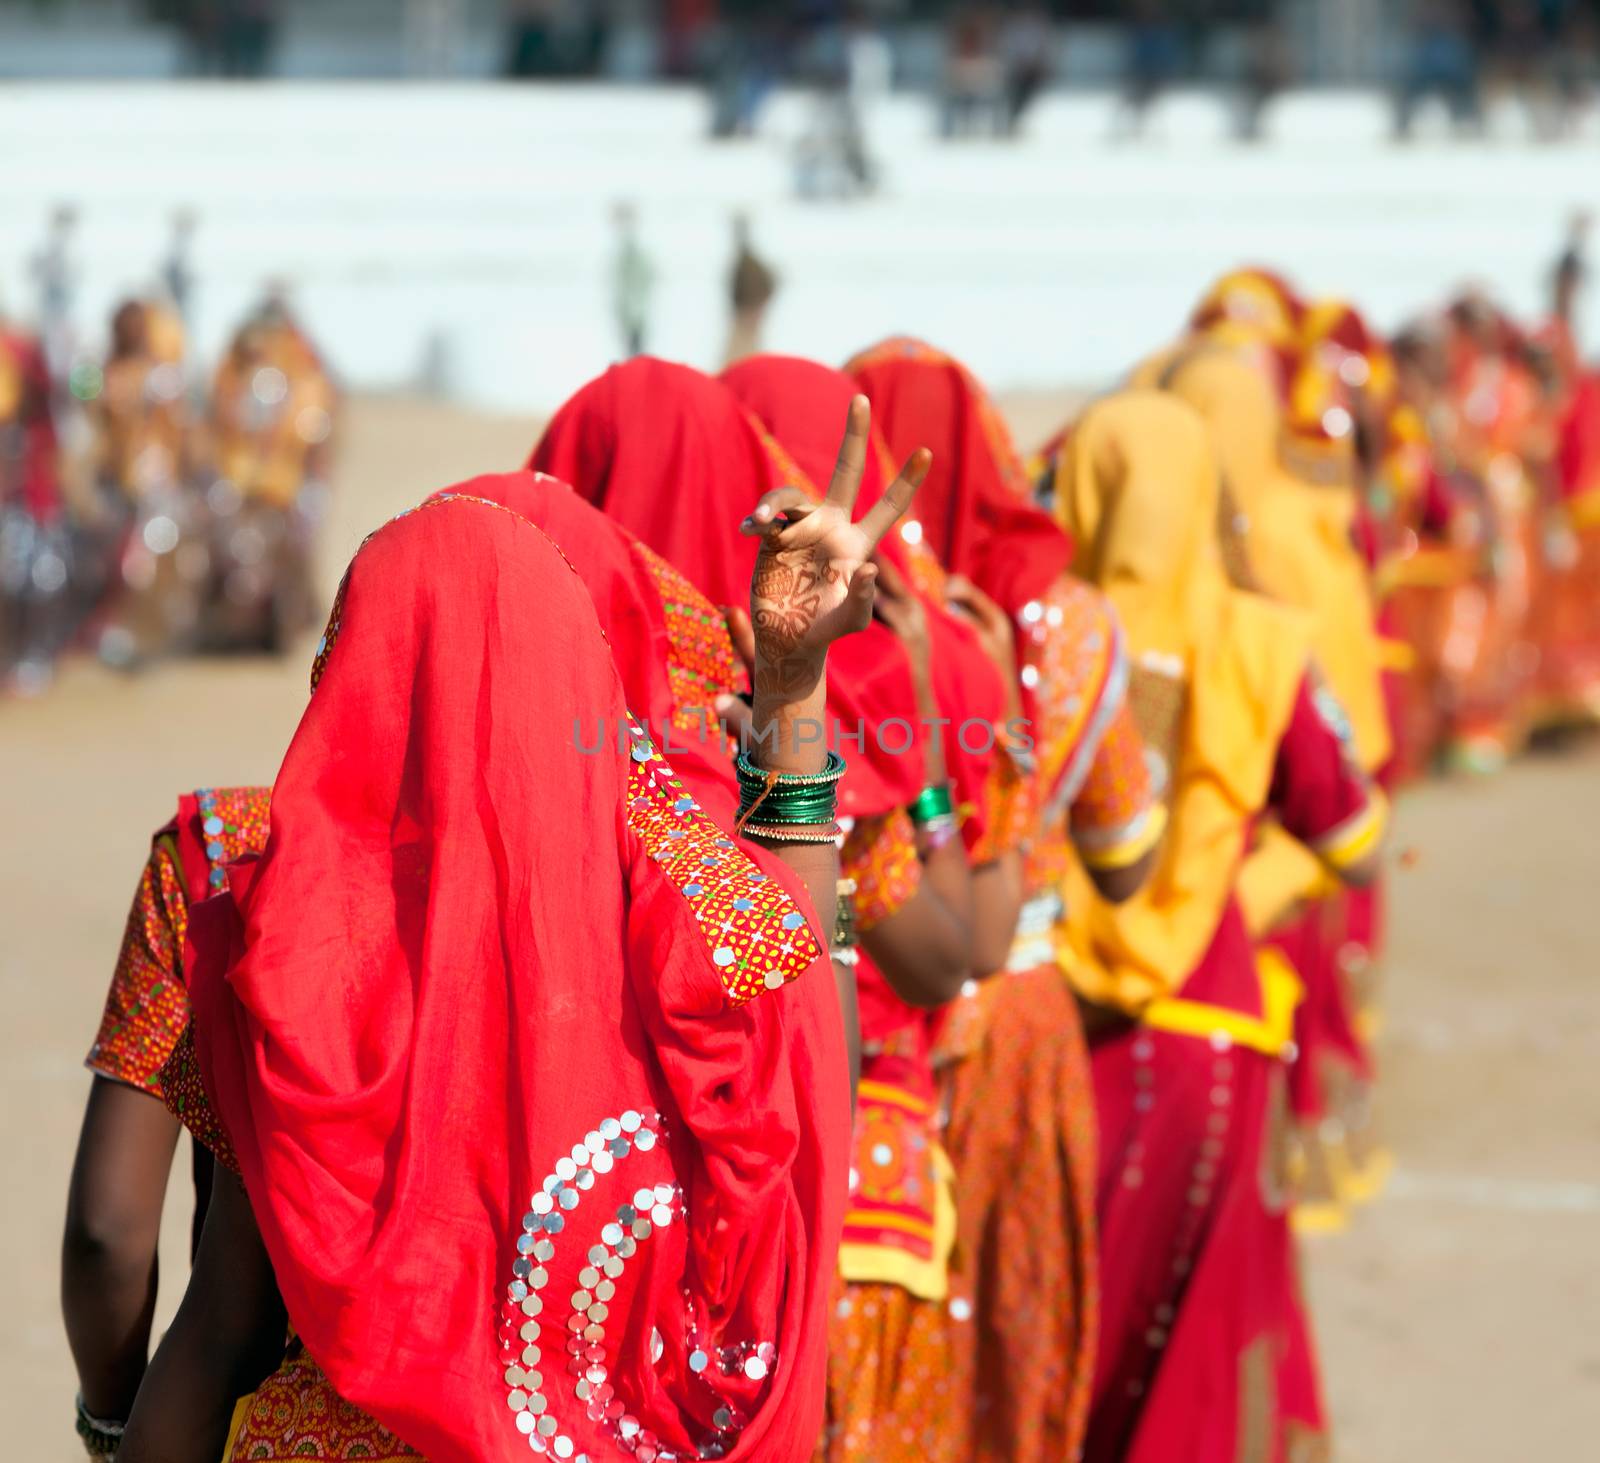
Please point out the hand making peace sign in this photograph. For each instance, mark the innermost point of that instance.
(813, 581)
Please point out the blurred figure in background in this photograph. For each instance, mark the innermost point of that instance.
(974, 84)
(554, 37)
(1443, 63)
(177, 269)
(140, 412)
(745, 61)
(633, 281)
(1268, 69)
(271, 427)
(35, 548)
(1155, 57)
(56, 275)
(852, 66)
(1501, 443)
(246, 31)
(1026, 41)
(751, 285)
(1567, 613)
(143, 440)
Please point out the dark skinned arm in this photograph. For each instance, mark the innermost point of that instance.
(227, 1337)
(924, 949)
(844, 980)
(109, 1264)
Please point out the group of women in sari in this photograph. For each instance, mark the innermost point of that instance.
(913, 923)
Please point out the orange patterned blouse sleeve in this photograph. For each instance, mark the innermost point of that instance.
(146, 1008)
(1118, 815)
(880, 854)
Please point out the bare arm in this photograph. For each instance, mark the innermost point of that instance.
(844, 979)
(109, 1247)
(924, 949)
(227, 1336)
(998, 889)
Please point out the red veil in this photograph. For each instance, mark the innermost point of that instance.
(670, 645)
(671, 454)
(975, 506)
(535, 1079)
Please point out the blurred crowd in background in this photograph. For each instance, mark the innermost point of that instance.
(147, 506)
(986, 62)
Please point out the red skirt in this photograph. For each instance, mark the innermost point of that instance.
(1197, 1311)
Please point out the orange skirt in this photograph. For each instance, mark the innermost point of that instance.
(888, 1369)
(1024, 1297)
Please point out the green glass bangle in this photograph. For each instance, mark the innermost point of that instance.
(789, 799)
(791, 805)
(931, 803)
(748, 772)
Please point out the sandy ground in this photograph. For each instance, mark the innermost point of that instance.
(1457, 1315)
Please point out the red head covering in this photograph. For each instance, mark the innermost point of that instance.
(975, 506)
(1342, 382)
(803, 404)
(1260, 300)
(672, 455)
(670, 643)
(498, 1020)
(654, 444)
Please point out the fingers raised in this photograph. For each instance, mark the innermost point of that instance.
(852, 461)
(881, 517)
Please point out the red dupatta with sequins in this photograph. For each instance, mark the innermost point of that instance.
(535, 1079)
(673, 456)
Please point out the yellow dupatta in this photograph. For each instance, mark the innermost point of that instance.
(1300, 544)
(1138, 489)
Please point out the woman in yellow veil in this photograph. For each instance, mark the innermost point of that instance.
(1302, 550)
(1190, 1032)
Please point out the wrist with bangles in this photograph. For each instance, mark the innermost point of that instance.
(101, 1436)
(795, 807)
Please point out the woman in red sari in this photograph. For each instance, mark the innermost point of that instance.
(1021, 1132)
(890, 1354)
(472, 977)
(911, 915)
(1189, 1032)
(1505, 442)
(1567, 613)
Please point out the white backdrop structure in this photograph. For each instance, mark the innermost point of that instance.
(470, 225)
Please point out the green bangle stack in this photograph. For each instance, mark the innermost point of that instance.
(795, 807)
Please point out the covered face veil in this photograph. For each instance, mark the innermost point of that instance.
(536, 1079)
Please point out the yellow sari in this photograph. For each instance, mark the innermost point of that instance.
(1137, 487)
